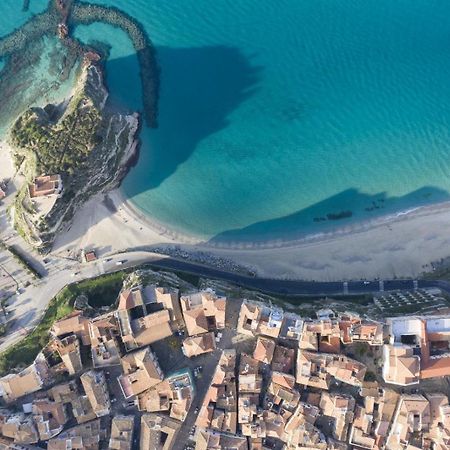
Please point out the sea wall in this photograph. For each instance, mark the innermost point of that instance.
(77, 12)
(45, 23)
(84, 13)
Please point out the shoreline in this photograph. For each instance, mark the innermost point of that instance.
(119, 199)
(404, 245)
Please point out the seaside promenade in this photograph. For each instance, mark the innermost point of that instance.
(27, 307)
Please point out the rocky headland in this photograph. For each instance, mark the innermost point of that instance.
(89, 146)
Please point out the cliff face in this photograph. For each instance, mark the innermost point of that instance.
(86, 144)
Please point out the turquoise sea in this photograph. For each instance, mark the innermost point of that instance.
(275, 114)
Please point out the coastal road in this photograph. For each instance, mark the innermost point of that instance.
(272, 286)
(27, 308)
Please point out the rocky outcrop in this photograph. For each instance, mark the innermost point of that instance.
(84, 142)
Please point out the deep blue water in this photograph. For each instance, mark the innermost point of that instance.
(276, 113)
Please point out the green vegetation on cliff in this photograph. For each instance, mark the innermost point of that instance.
(24, 352)
(60, 147)
(83, 141)
(101, 291)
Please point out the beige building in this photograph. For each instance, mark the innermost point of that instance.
(203, 311)
(264, 350)
(281, 391)
(20, 429)
(49, 417)
(300, 431)
(208, 440)
(69, 350)
(74, 323)
(104, 335)
(250, 376)
(321, 335)
(169, 299)
(219, 408)
(141, 372)
(121, 433)
(318, 369)
(86, 437)
(173, 395)
(400, 365)
(412, 418)
(440, 420)
(259, 318)
(46, 185)
(198, 345)
(283, 359)
(96, 388)
(69, 395)
(14, 386)
(355, 329)
(137, 327)
(340, 409)
(158, 432)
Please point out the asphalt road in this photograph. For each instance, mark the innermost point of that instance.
(283, 287)
(27, 308)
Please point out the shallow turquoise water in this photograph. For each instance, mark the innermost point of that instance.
(276, 113)
(13, 17)
(34, 83)
(36, 80)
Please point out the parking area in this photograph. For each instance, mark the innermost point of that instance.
(404, 302)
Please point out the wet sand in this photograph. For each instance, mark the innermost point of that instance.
(401, 246)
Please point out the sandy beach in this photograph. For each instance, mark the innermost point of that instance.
(405, 245)
(401, 246)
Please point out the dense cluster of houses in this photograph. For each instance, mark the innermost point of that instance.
(300, 389)
(300, 385)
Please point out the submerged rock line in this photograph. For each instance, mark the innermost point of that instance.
(85, 13)
(74, 12)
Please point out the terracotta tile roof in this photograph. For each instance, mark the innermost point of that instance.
(153, 428)
(283, 359)
(196, 322)
(82, 437)
(317, 369)
(198, 345)
(400, 365)
(45, 185)
(436, 368)
(74, 323)
(14, 386)
(49, 417)
(203, 311)
(96, 388)
(21, 429)
(141, 372)
(131, 298)
(121, 433)
(264, 350)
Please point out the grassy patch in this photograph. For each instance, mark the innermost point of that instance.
(101, 291)
(24, 352)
